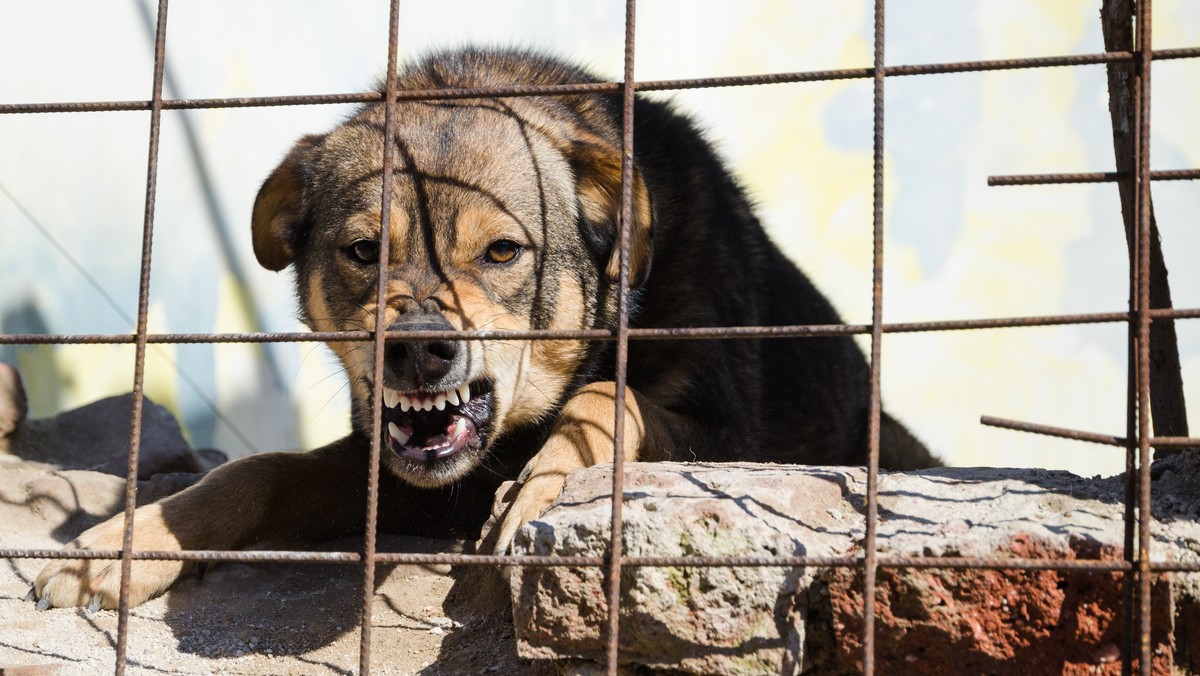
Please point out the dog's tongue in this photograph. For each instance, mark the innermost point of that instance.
(431, 436)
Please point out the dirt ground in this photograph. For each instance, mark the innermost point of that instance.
(269, 618)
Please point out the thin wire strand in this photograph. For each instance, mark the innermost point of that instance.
(112, 303)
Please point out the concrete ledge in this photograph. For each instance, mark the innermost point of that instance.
(779, 620)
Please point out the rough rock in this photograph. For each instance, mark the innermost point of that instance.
(929, 621)
(668, 613)
(96, 436)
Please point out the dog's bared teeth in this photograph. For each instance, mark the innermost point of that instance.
(460, 427)
(391, 397)
(398, 434)
(419, 401)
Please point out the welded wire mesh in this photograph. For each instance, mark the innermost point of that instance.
(1137, 557)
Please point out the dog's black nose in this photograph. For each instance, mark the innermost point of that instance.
(423, 364)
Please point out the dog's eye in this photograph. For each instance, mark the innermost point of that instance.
(363, 251)
(503, 251)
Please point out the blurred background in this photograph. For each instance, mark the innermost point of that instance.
(72, 192)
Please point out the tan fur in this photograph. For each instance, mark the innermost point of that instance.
(278, 208)
(583, 436)
(553, 362)
(75, 582)
(269, 489)
(600, 195)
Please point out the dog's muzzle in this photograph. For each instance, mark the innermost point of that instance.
(429, 365)
(432, 412)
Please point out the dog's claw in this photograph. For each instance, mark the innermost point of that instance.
(43, 603)
(32, 595)
(94, 605)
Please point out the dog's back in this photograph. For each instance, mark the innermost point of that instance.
(800, 400)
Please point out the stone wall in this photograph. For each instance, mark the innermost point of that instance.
(929, 621)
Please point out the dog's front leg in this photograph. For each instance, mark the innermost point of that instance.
(582, 437)
(263, 498)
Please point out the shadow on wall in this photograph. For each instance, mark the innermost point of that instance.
(38, 364)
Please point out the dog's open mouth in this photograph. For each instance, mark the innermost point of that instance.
(426, 427)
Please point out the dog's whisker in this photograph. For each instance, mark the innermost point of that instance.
(338, 392)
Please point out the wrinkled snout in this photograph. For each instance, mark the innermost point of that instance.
(429, 365)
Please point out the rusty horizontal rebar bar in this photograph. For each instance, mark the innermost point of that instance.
(1090, 177)
(239, 555)
(926, 562)
(681, 333)
(1080, 435)
(594, 88)
(1047, 430)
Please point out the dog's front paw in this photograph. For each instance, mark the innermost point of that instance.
(534, 493)
(96, 583)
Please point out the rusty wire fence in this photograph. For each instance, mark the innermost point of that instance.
(1138, 568)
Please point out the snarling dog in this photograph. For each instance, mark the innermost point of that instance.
(504, 217)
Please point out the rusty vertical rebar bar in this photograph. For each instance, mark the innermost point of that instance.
(1141, 157)
(875, 407)
(385, 208)
(139, 360)
(628, 92)
(1142, 153)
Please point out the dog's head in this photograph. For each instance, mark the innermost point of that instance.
(503, 217)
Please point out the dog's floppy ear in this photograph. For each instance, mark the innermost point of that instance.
(597, 167)
(280, 206)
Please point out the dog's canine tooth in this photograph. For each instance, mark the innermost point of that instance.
(452, 396)
(460, 426)
(440, 401)
(464, 393)
(391, 397)
(397, 433)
